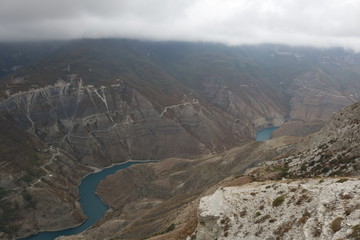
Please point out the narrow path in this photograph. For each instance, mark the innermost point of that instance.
(324, 93)
(48, 173)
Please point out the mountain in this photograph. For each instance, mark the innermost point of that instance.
(301, 83)
(318, 206)
(254, 191)
(298, 209)
(70, 107)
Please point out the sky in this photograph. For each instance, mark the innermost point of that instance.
(321, 23)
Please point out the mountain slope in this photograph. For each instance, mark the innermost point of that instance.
(218, 194)
(90, 103)
(309, 208)
(302, 209)
(298, 83)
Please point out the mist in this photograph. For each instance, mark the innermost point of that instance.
(321, 23)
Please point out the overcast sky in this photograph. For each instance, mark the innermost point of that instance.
(297, 22)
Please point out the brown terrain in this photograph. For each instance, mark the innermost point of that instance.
(168, 195)
(92, 103)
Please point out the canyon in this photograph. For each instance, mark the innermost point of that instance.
(86, 104)
(285, 194)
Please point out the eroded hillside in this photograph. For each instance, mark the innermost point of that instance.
(289, 209)
(81, 104)
(321, 205)
(201, 201)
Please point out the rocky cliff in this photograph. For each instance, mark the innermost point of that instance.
(332, 151)
(300, 209)
(116, 123)
(154, 196)
(310, 208)
(90, 103)
(217, 197)
(38, 187)
(80, 125)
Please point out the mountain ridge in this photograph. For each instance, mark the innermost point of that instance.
(241, 170)
(91, 103)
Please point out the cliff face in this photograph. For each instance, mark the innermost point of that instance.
(203, 202)
(302, 209)
(73, 125)
(38, 184)
(50, 202)
(260, 85)
(116, 123)
(97, 102)
(252, 101)
(316, 96)
(154, 196)
(332, 151)
(326, 207)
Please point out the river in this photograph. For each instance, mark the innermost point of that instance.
(265, 134)
(93, 207)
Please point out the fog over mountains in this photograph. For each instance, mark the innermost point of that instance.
(88, 84)
(319, 23)
(69, 107)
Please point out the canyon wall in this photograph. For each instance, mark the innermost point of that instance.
(116, 123)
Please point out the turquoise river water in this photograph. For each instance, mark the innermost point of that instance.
(93, 207)
(265, 134)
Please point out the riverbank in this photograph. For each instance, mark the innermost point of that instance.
(265, 133)
(93, 207)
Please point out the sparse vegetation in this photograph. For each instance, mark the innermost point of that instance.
(278, 201)
(317, 229)
(3, 192)
(243, 213)
(257, 214)
(272, 220)
(283, 228)
(355, 235)
(259, 231)
(263, 219)
(336, 224)
(170, 228)
(30, 202)
(346, 196)
(8, 213)
(303, 219)
(31, 174)
(303, 198)
(342, 180)
(283, 169)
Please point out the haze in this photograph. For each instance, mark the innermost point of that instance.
(322, 23)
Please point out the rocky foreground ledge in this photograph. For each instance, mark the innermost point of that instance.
(327, 208)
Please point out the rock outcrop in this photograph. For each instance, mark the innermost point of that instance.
(154, 196)
(91, 103)
(116, 123)
(326, 207)
(316, 97)
(170, 193)
(332, 151)
(300, 209)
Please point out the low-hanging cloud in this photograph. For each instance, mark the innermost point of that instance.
(322, 23)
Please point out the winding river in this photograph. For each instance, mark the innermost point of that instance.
(93, 207)
(265, 134)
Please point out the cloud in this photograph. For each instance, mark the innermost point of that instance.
(321, 23)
